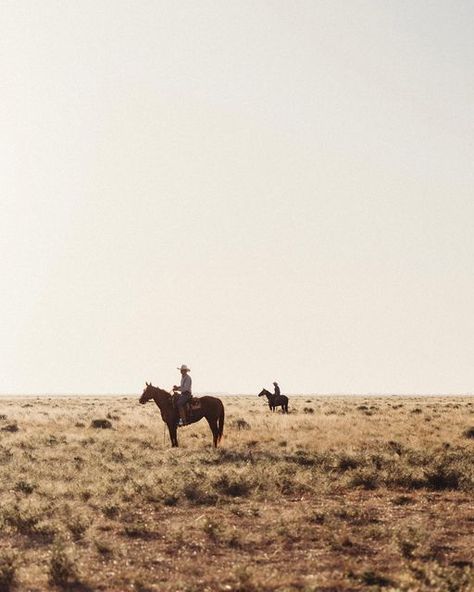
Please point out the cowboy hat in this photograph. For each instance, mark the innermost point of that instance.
(184, 367)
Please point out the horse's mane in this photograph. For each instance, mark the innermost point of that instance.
(161, 392)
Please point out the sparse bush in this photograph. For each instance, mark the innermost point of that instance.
(212, 529)
(402, 500)
(407, 547)
(24, 487)
(8, 566)
(347, 462)
(103, 424)
(317, 518)
(53, 440)
(469, 433)
(365, 478)
(23, 519)
(306, 459)
(308, 410)
(11, 427)
(395, 447)
(241, 424)
(111, 510)
(170, 499)
(196, 493)
(62, 569)
(232, 484)
(244, 580)
(140, 586)
(443, 477)
(371, 578)
(104, 548)
(78, 526)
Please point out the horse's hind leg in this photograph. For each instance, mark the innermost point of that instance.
(212, 421)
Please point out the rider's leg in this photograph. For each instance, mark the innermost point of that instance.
(182, 414)
(183, 399)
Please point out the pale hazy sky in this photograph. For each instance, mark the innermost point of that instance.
(263, 190)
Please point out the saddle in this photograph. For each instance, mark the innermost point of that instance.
(194, 404)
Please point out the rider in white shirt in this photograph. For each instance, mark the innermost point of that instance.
(185, 389)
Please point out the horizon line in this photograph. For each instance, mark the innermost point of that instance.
(229, 394)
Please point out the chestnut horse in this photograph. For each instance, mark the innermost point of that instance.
(275, 400)
(209, 407)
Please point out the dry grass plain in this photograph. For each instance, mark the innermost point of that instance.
(344, 493)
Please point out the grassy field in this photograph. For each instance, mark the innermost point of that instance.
(344, 493)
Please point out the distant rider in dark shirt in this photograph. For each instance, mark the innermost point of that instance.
(277, 389)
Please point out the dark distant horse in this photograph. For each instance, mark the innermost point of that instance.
(275, 400)
(209, 407)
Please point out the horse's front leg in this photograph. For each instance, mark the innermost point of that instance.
(173, 434)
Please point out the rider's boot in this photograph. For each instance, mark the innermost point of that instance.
(182, 416)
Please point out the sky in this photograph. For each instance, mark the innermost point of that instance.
(262, 190)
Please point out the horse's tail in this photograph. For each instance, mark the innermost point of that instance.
(220, 424)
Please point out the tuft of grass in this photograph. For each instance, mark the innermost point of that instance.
(111, 510)
(11, 427)
(366, 478)
(407, 548)
(62, 568)
(24, 487)
(104, 548)
(371, 578)
(233, 484)
(347, 462)
(402, 500)
(8, 567)
(78, 526)
(197, 494)
(170, 499)
(212, 529)
(443, 477)
(317, 518)
(140, 529)
(241, 424)
(103, 424)
(469, 433)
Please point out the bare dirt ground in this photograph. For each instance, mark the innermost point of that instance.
(344, 493)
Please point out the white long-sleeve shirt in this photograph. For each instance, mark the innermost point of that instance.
(186, 383)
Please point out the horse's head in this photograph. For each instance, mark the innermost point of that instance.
(147, 394)
(262, 393)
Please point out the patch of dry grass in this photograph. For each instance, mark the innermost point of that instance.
(343, 493)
